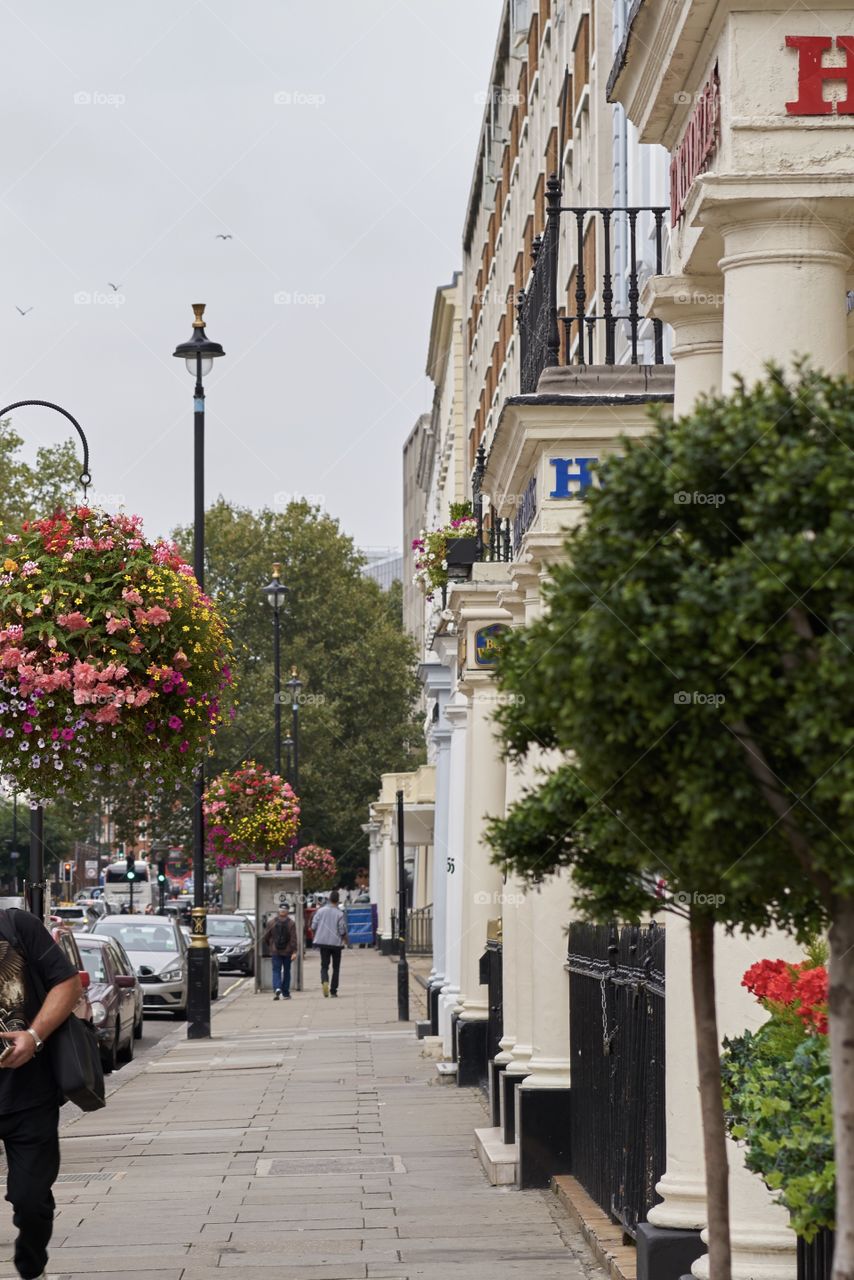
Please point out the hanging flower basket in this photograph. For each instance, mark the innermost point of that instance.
(113, 662)
(432, 558)
(318, 866)
(251, 815)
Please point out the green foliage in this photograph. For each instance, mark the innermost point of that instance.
(694, 659)
(32, 492)
(778, 1102)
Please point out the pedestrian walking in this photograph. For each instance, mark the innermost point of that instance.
(330, 935)
(29, 1097)
(281, 937)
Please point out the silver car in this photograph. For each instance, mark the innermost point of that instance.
(158, 952)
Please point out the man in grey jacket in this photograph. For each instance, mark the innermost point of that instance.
(329, 929)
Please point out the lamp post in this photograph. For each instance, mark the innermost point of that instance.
(199, 354)
(35, 883)
(294, 685)
(275, 592)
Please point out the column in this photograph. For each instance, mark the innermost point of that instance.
(785, 268)
(388, 883)
(485, 775)
(442, 744)
(693, 307)
(542, 1099)
(456, 714)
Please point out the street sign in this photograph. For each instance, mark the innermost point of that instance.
(91, 869)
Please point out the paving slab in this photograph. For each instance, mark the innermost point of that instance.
(306, 1139)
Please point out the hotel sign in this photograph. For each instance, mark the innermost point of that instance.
(812, 74)
(699, 143)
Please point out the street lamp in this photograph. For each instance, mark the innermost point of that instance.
(35, 884)
(294, 685)
(199, 354)
(275, 592)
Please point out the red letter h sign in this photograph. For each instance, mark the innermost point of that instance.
(812, 75)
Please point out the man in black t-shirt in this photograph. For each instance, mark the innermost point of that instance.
(29, 1098)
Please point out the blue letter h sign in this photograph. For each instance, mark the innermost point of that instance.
(564, 476)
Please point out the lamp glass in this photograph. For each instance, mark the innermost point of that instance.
(192, 361)
(273, 599)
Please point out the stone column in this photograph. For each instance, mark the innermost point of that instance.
(693, 307)
(437, 682)
(542, 1112)
(456, 714)
(482, 884)
(785, 266)
(388, 882)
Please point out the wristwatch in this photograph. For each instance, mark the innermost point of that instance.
(39, 1043)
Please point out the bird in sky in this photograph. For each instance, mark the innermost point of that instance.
(220, 236)
(115, 287)
(21, 311)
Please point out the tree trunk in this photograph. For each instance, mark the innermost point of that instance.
(711, 1093)
(841, 1027)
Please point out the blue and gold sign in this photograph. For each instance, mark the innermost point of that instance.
(486, 644)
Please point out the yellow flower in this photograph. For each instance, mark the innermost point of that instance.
(10, 565)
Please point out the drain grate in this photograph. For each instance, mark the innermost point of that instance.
(89, 1177)
(294, 1167)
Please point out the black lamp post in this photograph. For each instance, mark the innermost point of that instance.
(275, 592)
(35, 883)
(294, 685)
(199, 354)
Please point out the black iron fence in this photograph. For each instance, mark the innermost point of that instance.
(550, 334)
(616, 1033)
(492, 976)
(815, 1260)
(419, 930)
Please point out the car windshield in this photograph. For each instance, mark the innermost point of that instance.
(220, 928)
(138, 936)
(69, 913)
(93, 963)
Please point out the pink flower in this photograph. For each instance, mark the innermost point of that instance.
(155, 616)
(131, 595)
(117, 624)
(27, 727)
(107, 715)
(175, 722)
(73, 621)
(184, 746)
(67, 735)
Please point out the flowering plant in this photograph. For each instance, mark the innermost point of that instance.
(777, 1090)
(431, 549)
(318, 866)
(113, 662)
(251, 815)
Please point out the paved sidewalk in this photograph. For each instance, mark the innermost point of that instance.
(307, 1137)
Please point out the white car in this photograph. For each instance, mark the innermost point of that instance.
(158, 952)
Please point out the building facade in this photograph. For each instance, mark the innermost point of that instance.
(621, 239)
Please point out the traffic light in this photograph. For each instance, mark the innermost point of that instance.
(130, 861)
(161, 872)
(67, 870)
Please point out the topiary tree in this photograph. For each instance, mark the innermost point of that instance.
(695, 662)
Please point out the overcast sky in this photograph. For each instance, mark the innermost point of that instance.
(334, 142)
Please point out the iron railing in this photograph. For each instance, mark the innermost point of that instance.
(419, 930)
(548, 338)
(616, 1035)
(494, 535)
(815, 1260)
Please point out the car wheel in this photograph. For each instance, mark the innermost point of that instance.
(215, 991)
(110, 1059)
(180, 1015)
(126, 1054)
(137, 1028)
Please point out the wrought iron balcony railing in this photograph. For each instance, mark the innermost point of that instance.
(547, 336)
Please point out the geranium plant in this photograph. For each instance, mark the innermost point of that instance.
(777, 1090)
(113, 662)
(251, 815)
(431, 549)
(318, 866)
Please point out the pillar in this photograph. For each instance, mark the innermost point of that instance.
(442, 743)
(785, 268)
(456, 714)
(693, 307)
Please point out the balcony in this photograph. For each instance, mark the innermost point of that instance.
(598, 321)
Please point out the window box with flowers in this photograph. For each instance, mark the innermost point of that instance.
(454, 545)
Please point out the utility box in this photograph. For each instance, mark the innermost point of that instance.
(272, 889)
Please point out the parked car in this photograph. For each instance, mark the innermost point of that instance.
(73, 914)
(158, 952)
(214, 963)
(116, 998)
(67, 943)
(232, 937)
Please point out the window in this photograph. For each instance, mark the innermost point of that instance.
(581, 60)
(540, 205)
(520, 16)
(534, 45)
(551, 153)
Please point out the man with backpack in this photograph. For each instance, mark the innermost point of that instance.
(330, 935)
(29, 1096)
(281, 937)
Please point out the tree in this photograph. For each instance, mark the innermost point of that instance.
(695, 662)
(347, 641)
(28, 492)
